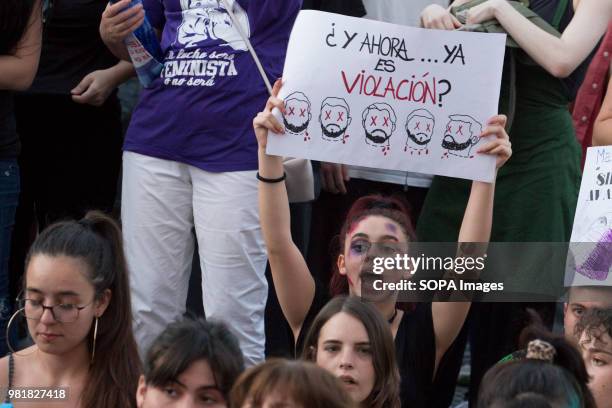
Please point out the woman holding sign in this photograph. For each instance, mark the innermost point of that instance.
(422, 335)
(537, 191)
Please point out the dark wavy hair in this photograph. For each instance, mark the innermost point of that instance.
(14, 17)
(596, 323)
(385, 393)
(96, 240)
(185, 342)
(393, 208)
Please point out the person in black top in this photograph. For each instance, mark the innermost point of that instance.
(422, 336)
(350, 339)
(71, 152)
(69, 122)
(20, 38)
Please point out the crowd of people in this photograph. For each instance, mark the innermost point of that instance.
(94, 279)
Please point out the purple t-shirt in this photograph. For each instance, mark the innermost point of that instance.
(201, 108)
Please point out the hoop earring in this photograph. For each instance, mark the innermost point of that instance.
(93, 348)
(8, 330)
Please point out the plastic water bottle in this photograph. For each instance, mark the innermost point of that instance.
(145, 51)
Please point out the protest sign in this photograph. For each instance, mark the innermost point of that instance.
(590, 260)
(380, 95)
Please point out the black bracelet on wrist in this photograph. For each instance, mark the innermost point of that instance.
(269, 180)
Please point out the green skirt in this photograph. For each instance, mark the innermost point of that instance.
(537, 189)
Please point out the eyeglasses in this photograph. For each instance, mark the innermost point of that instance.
(64, 312)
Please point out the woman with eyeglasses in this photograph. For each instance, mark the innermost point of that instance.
(76, 302)
(69, 125)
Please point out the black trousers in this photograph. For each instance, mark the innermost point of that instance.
(70, 163)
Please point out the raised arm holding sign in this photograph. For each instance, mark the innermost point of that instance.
(382, 220)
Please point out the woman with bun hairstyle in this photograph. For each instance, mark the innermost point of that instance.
(547, 372)
(76, 301)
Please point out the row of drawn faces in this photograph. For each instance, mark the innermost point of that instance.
(379, 121)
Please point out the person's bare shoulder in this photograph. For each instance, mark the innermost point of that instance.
(21, 362)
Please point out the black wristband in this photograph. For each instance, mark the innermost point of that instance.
(268, 180)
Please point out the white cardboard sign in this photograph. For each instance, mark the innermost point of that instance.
(590, 262)
(381, 95)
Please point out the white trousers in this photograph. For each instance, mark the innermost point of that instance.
(162, 201)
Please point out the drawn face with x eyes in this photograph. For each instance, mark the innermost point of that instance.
(419, 127)
(334, 118)
(297, 113)
(378, 123)
(462, 132)
(457, 135)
